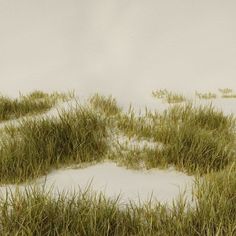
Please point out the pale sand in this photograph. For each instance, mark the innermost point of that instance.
(164, 186)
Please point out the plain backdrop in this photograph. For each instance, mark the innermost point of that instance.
(122, 47)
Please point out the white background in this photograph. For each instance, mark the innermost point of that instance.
(122, 47)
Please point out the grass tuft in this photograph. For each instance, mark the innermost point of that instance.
(206, 95)
(38, 213)
(226, 91)
(33, 103)
(194, 138)
(36, 146)
(106, 105)
(167, 96)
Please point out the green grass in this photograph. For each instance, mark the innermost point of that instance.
(37, 213)
(33, 103)
(36, 146)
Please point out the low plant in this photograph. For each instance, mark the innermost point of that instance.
(208, 95)
(225, 91)
(168, 96)
(106, 105)
(33, 103)
(34, 212)
(229, 95)
(194, 138)
(36, 146)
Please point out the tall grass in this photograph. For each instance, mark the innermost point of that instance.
(106, 105)
(36, 146)
(34, 102)
(38, 213)
(195, 138)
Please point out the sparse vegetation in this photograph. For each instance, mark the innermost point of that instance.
(33, 103)
(38, 213)
(233, 95)
(161, 93)
(167, 96)
(206, 95)
(226, 91)
(196, 139)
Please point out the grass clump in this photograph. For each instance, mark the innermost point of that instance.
(167, 96)
(106, 105)
(194, 138)
(161, 93)
(216, 209)
(208, 95)
(175, 98)
(36, 146)
(35, 102)
(227, 93)
(38, 213)
(200, 138)
(229, 96)
(194, 149)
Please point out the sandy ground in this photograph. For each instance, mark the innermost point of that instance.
(164, 186)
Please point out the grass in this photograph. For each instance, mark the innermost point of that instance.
(36, 146)
(33, 103)
(161, 93)
(206, 95)
(106, 105)
(168, 96)
(233, 95)
(38, 213)
(227, 93)
(196, 139)
(171, 97)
